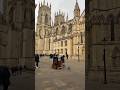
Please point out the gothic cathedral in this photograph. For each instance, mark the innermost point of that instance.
(62, 36)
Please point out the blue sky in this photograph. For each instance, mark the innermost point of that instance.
(67, 6)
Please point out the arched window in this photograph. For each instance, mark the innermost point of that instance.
(46, 19)
(49, 44)
(81, 34)
(110, 20)
(63, 30)
(56, 31)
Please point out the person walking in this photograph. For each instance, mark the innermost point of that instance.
(37, 60)
(51, 57)
(54, 62)
(66, 55)
(63, 61)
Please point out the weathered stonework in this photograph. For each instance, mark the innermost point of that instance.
(17, 33)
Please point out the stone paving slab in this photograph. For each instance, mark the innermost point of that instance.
(64, 79)
(26, 81)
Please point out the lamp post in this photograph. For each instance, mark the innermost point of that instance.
(78, 47)
(78, 50)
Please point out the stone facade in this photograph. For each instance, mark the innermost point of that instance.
(61, 36)
(17, 33)
(103, 33)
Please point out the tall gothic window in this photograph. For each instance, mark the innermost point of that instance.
(112, 30)
(49, 44)
(81, 34)
(56, 31)
(63, 30)
(46, 19)
(61, 43)
(110, 20)
(65, 42)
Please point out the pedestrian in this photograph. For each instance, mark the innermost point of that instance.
(4, 77)
(51, 57)
(53, 63)
(37, 60)
(63, 61)
(59, 62)
(56, 61)
(66, 55)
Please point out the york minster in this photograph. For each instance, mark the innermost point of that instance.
(61, 35)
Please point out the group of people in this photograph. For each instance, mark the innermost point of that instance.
(58, 61)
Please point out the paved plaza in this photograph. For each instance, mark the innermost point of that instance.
(65, 79)
(26, 81)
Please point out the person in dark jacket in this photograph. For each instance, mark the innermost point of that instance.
(37, 59)
(66, 55)
(63, 60)
(55, 61)
(4, 77)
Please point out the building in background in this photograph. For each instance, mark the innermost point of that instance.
(64, 35)
(17, 33)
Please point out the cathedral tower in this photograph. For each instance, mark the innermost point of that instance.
(44, 14)
(43, 26)
(76, 10)
(59, 18)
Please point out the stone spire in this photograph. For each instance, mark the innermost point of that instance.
(44, 2)
(76, 10)
(67, 17)
(77, 5)
(50, 5)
